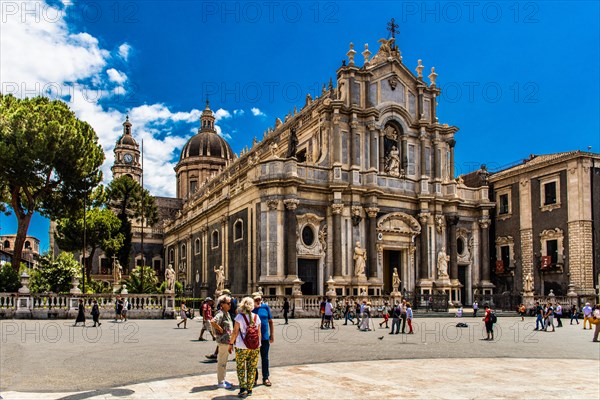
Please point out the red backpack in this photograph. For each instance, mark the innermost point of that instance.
(251, 338)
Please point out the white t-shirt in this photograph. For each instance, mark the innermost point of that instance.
(328, 309)
(239, 342)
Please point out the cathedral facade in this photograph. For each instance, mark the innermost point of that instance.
(357, 183)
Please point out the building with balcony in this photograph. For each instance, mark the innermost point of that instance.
(31, 249)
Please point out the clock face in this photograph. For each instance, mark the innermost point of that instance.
(128, 158)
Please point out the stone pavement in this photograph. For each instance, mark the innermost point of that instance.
(154, 359)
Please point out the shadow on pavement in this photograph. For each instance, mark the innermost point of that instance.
(94, 393)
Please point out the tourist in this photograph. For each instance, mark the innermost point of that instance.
(232, 314)
(459, 312)
(385, 311)
(558, 315)
(348, 313)
(358, 307)
(587, 315)
(549, 317)
(489, 323)
(206, 317)
(322, 311)
(595, 320)
(126, 307)
(475, 307)
(118, 308)
(574, 314)
(80, 313)
(223, 327)
(183, 314)
(246, 359)
(286, 310)
(522, 311)
(366, 318)
(266, 333)
(403, 314)
(409, 317)
(96, 313)
(396, 318)
(539, 318)
(328, 316)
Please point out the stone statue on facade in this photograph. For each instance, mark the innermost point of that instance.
(220, 272)
(117, 271)
(392, 162)
(360, 259)
(293, 147)
(528, 283)
(442, 263)
(396, 280)
(170, 279)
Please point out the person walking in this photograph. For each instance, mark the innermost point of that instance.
(489, 323)
(595, 320)
(96, 313)
(385, 311)
(587, 315)
(522, 311)
(246, 332)
(475, 307)
(558, 315)
(358, 310)
(223, 327)
(409, 317)
(206, 317)
(80, 313)
(266, 333)
(549, 317)
(183, 314)
(574, 314)
(118, 309)
(328, 315)
(322, 312)
(126, 307)
(286, 310)
(539, 316)
(396, 318)
(366, 319)
(403, 315)
(348, 313)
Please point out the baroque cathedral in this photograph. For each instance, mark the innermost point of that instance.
(338, 195)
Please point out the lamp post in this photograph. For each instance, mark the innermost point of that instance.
(84, 237)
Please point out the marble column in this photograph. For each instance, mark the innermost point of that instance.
(291, 224)
(484, 224)
(452, 222)
(336, 209)
(423, 139)
(373, 148)
(423, 262)
(381, 151)
(437, 162)
(404, 153)
(372, 243)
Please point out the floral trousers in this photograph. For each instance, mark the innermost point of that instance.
(246, 361)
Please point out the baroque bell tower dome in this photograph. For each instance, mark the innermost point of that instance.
(127, 155)
(204, 155)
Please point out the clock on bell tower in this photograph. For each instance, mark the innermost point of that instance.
(127, 155)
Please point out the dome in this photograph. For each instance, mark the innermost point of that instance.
(207, 144)
(127, 140)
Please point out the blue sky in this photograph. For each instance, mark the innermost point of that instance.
(516, 77)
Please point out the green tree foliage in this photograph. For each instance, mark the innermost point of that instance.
(127, 199)
(134, 282)
(54, 275)
(178, 288)
(9, 279)
(102, 230)
(94, 286)
(49, 158)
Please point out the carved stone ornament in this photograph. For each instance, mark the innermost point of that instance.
(291, 204)
(309, 218)
(484, 223)
(399, 223)
(552, 234)
(393, 82)
(323, 237)
(372, 212)
(390, 133)
(423, 218)
(272, 204)
(440, 223)
(465, 256)
(337, 208)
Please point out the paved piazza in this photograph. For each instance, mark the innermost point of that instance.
(154, 359)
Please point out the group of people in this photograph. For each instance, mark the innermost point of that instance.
(122, 305)
(401, 314)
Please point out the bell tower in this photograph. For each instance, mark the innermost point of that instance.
(127, 155)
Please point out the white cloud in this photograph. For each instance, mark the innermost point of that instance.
(69, 65)
(257, 113)
(222, 114)
(124, 50)
(238, 113)
(116, 76)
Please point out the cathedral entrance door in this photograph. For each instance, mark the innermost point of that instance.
(391, 259)
(307, 272)
(462, 278)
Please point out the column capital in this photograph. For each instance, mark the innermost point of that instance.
(484, 223)
(291, 204)
(372, 211)
(337, 208)
(423, 217)
(272, 204)
(224, 219)
(452, 219)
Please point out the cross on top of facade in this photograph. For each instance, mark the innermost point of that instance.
(392, 26)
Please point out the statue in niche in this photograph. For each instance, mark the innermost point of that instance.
(528, 283)
(395, 280)
(442, 263)
(293, 148)
(360, 259)
(392, 162)
(220, 278)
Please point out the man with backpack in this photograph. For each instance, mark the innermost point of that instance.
(489, 319)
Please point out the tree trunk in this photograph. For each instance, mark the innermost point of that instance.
(23, 226)
(88, 265)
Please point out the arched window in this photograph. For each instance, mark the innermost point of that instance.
(197, 246)
(238, 230)
(215, 239)
(28, 245)
(6, 244)
(183, 251)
